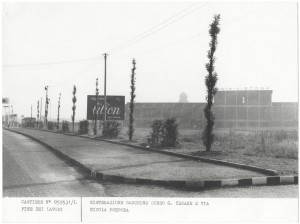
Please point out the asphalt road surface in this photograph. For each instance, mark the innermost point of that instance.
(31, 170)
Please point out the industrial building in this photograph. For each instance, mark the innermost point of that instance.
(232, 109)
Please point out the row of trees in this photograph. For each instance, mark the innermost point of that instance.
(110, 128)
(162, 131)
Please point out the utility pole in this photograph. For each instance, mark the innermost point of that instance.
(37, 117)
(105, 56)
(12, 115)
(96, 108)
(57, 125)
(31, 117)
(41, 109)
(5, 114)
(49, 102)
(8, 119)
(46, 106)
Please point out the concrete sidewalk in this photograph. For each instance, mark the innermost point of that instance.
(112, 160)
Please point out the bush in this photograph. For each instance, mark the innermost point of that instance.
(155, 138)
(41, 125)
(164, 133)
(83, 127)
(51, 125)
(170, 132)
(65, 126)
(111, 129)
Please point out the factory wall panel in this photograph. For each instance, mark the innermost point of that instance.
(253, 98)
(166, 112)
(156, 113)
(230, 124)
(241, 113)
(219, 113)
(241, 98)
(230, 113)
(231, 98)
(265, 113)
(219, 124)
(289, 123)
(220, 98)
(288, 113)
(241, 124)
(146, 113)
(265, 98)
(253, 113)
(187, 112)
(276, 113)
(253, 124)
(177, 112)
(198, 113)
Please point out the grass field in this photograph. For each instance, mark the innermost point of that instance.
(273, 149)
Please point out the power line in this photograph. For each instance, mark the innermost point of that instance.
(88, 66)
(202, 33)
(135, 39)
(156, 28)
(114, 49)
(132, 39)
(50, 63)
(120, 47)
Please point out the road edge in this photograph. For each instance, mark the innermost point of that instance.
(193, 185)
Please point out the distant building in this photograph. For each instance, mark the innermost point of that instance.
(28, 122)
(183, 98)
(12, 120)
(232, 109)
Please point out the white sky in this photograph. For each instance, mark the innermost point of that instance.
(257, 48)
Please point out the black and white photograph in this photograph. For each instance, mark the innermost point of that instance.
(118, 109)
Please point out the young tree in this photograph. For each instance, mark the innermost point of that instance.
(46, 107)
(38, 114)
(131, 105)
(210, 82)
(57, 124)
(96, 108)
(74, 99)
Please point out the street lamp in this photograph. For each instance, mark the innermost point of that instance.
(46, 107)
(105, 56)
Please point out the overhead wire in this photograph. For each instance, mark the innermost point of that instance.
(88, 66)
(188, 38)
(200, 34)
(130, 42)
(50, 63)
(153, 28)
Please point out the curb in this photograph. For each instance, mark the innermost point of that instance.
(268, 172)
(202, 184)
(193, 185)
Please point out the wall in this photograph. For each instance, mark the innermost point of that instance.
(232, 109)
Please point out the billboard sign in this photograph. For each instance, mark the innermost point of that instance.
(115, 107)
(5, 100)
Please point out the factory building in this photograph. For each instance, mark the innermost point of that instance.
(232, 109)
(253, 108)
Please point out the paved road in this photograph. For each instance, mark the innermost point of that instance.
(30, 169)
